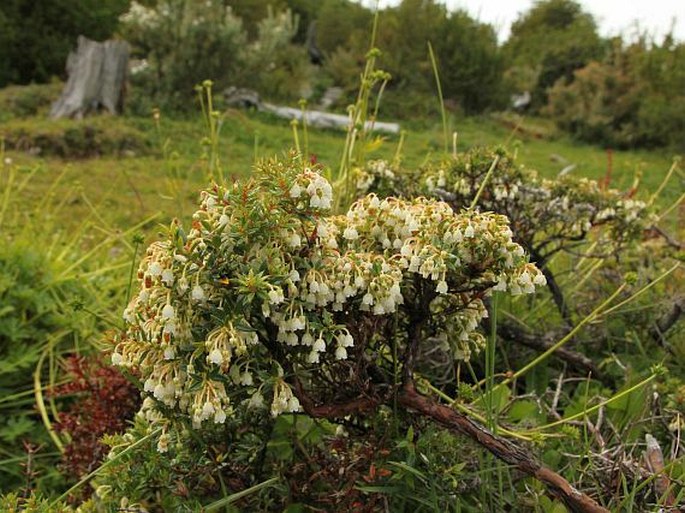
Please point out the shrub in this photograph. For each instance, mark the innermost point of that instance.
(32, 504)
(467, 54)
(275, 67)
(628, 100)
(269, 299)
(291, 297)
(550, 42)
(547, 216)
(270, 305)
(183, 42)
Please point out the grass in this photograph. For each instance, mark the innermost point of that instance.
(129, 186)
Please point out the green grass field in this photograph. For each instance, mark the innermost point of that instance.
(165, 169)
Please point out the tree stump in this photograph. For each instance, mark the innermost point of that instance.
(97, 79)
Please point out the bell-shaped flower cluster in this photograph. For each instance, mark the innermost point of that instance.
(378, 176)
(267, 281)
(548, 214)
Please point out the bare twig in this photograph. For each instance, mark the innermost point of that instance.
(668, 319)
(669, 240)
(503, 449)
(542, 343)
(334, 411)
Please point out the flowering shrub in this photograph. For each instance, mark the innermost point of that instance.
(178, 41)
(268, 293)
(172, 36)
(547, 216)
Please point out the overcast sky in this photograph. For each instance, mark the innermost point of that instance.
(613, 16)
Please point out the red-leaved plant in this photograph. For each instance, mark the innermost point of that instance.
(104, 403)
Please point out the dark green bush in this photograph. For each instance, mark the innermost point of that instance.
(549, 42)
(469, 61)
(634, 98)
(36, 37)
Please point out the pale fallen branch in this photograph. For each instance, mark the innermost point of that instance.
(322, 119)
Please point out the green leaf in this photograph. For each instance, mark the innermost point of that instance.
(525, 410)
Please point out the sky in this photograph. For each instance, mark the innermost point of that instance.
(613, 17)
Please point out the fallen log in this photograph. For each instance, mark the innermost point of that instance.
(322, 119)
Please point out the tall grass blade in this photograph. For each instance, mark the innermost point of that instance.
(214, 506)
(438, 85)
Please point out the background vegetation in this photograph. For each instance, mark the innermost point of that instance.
(609, 91)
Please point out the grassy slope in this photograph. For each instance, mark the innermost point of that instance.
(132, 186)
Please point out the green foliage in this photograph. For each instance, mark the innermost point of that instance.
(252, 12)
(549, 42)
(35, 38)
(202, 469)
(184, 42)
(426, 471)
(471, 64)
(36, 314)
(466, 50)
(144, 476)
(26, 101)
(632, 98)
(34, 504)
(342, 24)
(274, 66)
(52, 303)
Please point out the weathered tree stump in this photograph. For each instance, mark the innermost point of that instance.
(97, 79)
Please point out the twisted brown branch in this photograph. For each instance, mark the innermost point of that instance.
(542, 343)
(503, 449)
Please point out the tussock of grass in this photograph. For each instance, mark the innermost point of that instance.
(74, 139)
(27, 101)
